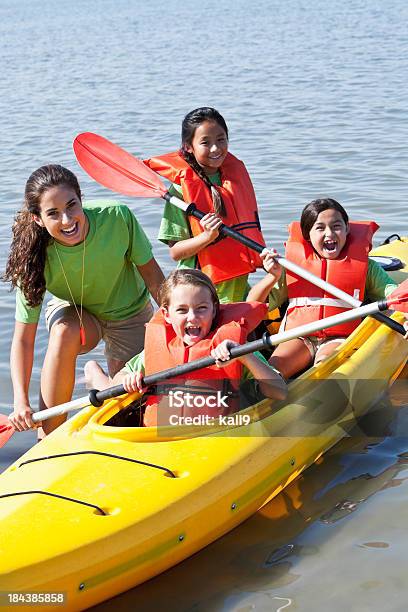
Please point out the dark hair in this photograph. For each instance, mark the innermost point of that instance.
(190, 123)
(26, 261)
(187, 277)
(312, 210)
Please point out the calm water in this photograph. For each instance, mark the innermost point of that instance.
(315, 97)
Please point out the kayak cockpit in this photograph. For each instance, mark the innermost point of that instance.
(122, 419)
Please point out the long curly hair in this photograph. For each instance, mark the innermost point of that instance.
(190, 123)
(28, 252)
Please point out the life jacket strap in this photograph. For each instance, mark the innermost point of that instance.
(239, 227)
(318, 301)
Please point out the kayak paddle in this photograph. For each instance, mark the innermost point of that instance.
(119, 171)
(397, 300)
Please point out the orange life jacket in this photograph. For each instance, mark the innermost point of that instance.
(225, 258)
(163, 349)
(308, 303)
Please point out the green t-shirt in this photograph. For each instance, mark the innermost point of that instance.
(175, 227)
(378, 285)
(114, 246)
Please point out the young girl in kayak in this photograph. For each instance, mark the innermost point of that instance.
(334, 249)
(204, 172)
(192, 324)
(97, 262)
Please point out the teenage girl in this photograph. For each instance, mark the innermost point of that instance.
(331, 247)
(191, 324)
(204, 172)
(97, 262)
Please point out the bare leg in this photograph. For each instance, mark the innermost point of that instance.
(114, 365)
(326, 350)
(95, 376)
(291, 357)
(58, 372)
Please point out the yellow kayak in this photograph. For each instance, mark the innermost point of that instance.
(95, 509)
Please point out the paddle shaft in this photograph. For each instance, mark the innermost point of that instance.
(48, 413)
(97, 398)
(267, 341)
(193, 211)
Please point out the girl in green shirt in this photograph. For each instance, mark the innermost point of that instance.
(98, 264)
(324, 223)
(190, 308)
(205, 149)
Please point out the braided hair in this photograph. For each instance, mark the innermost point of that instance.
(190, 123)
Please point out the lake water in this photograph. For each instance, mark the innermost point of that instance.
(315, 98)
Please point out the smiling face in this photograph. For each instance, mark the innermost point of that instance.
(191, 312)
(61, 214)
(329, 233)
(209, 146)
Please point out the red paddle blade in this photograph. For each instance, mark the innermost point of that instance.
(398, 299)
(115, 168)
(6, 429)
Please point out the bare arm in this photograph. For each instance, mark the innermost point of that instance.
(152, 276)
(21, 365)
(96, 378)
(260, 291)
(271, 384)
(191, 246)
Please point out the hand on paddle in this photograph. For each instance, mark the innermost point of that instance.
(260, 291)
(211, 224)
(271, 264)
(221, 353)
(21, 418)
(133, 382)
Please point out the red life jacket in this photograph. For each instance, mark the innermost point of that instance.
(308, 303)
(163, 349)
(225, 258)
